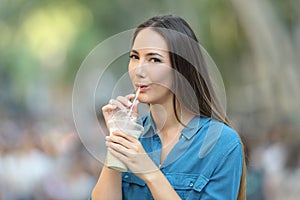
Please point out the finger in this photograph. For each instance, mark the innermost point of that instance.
(117, 103)
(119, 137)
(126, 135)
(118, 155)
(122, 141)
(135, 106)
(118, 148)
(108, 108)
(130, 96)
(124, 101)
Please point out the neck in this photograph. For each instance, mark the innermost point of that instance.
(165, 119)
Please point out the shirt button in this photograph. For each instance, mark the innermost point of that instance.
(191, 184)
(126, 176)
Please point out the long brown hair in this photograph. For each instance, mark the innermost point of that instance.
(187, 59)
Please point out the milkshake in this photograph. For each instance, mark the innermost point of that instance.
(127, 125)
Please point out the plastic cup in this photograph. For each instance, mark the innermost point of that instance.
(121, 121)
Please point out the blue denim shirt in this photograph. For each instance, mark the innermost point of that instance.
(206, 162)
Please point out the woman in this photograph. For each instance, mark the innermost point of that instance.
(182, 153)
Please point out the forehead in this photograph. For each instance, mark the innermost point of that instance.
(150, 39)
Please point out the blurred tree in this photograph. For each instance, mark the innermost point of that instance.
(43, 44)
(255, 45)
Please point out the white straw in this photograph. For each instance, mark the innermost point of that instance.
(133, 102)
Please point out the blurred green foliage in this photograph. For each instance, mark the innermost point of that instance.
(255, 45)
(43, 43)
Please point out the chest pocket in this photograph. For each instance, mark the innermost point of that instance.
(133, 188)
(188, 186)
(130, 178)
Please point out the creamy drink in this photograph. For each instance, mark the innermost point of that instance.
(126, 125)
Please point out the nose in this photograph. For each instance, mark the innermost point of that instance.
(140, 71)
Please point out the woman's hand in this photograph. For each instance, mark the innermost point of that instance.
(121, 103)
(130, 151)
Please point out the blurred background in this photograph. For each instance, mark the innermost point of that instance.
(255, 44)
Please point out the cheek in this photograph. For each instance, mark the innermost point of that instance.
(161, 75)
(131, 71)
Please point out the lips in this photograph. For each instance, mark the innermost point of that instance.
(143, 87)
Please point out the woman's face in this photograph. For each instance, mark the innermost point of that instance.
(150, 67)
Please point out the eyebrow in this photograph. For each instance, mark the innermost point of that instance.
(148, 54)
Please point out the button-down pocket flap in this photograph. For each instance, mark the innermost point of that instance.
(187, 181)
(131, 178)
(200, 183)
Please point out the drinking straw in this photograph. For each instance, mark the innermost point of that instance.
(134, 100)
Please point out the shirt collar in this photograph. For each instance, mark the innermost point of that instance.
(194, 126)
(188, 132)
(149, 125)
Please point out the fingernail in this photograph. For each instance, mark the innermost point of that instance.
(129, 103)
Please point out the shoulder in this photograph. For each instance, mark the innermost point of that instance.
(220, 131)
(219, 138)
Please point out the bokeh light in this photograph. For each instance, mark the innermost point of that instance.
(255, 44)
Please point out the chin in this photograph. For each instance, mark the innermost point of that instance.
(142, 100)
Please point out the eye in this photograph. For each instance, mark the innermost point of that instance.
(133, 57)
(155, 60)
